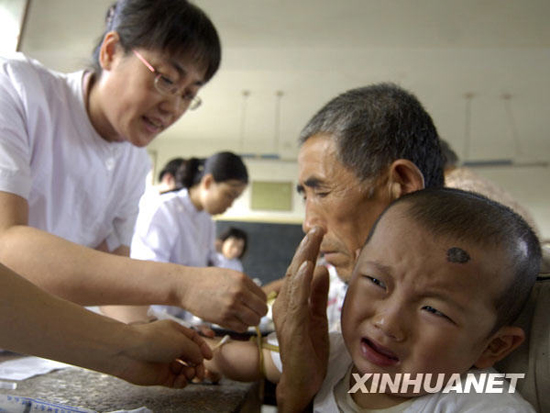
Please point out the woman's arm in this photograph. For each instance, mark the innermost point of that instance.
(124, 313)
(34, 322)
(91, 277)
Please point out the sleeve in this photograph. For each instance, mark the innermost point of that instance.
(336, 343)
(213, 256)
(15, 146)
(275, 355)
(125, 220)
(154, 236)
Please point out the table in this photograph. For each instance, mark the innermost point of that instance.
(88, 389)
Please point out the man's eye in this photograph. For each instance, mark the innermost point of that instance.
(377, 282)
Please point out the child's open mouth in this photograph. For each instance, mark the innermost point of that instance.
(377, 354)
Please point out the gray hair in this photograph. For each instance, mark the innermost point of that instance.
(376, 125)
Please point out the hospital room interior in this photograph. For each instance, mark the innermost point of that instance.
(479, 68)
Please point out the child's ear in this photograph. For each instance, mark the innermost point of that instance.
(504, 341)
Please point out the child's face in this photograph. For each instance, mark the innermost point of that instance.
(232, 248)
(419, 304)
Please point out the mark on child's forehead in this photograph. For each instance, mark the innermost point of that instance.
(457, 255)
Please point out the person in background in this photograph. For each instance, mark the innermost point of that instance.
(179, 228)
(73, 165)
(167, 177)
(232, 247)
(167, 182)
(461, 177)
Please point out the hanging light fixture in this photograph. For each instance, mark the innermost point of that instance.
(517, 159)
(244, 104)
(467, 125)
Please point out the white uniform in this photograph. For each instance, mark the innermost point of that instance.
(170, 229)
(230, 263)
(78, 186)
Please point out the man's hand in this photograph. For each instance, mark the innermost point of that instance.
(302, 327)
(162, 353)
(225, 297)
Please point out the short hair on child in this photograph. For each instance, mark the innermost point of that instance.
(237, 233)
(472, 217)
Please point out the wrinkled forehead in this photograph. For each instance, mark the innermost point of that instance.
(318, 158)
(398, 232)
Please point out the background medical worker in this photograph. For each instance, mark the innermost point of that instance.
(179, 227)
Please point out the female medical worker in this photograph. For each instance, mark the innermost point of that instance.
(72, 166)
(178, 228)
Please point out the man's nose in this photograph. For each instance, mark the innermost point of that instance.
(312, 219)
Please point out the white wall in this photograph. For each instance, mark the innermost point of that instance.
(529, 186)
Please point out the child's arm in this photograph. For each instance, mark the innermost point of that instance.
(240, 361)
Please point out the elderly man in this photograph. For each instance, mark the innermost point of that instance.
(362, 150)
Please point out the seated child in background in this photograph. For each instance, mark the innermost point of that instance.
(232, 247)
(440, 280)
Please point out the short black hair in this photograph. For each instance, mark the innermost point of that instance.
(475, 218)
(177, 27)
(237, 233)
(224, 166)
(374, 126)
(171, 167)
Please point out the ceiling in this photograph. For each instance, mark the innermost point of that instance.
(481, 67)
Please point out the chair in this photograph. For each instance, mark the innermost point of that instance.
(532, 357)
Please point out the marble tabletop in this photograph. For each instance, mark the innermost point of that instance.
(88, 389)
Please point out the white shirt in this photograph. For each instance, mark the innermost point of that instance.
(340, 362)
(231, 263)
(78, 186)
(335, 300)
(171, 229)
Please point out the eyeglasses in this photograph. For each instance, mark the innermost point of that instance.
(166, 86)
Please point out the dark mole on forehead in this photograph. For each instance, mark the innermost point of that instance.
(458, 255)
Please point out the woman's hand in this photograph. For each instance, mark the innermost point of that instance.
(225, 297)
(162, 353)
